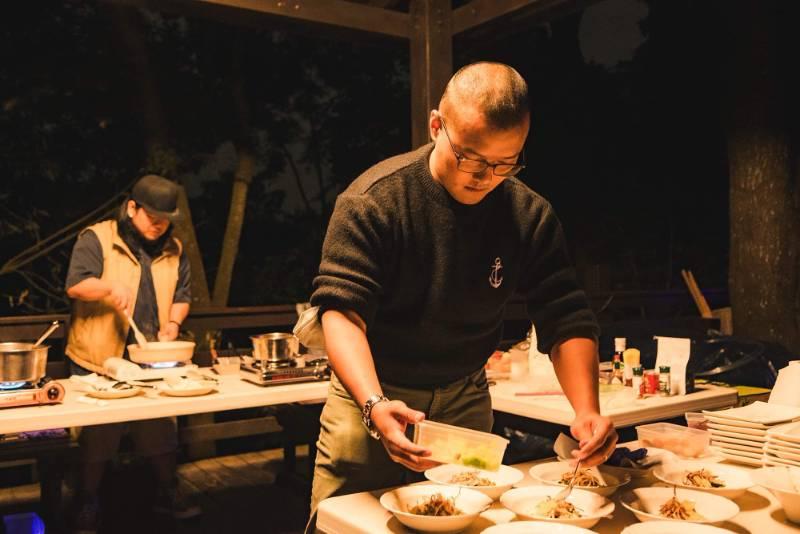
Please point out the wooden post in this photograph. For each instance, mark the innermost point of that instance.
(431, 61)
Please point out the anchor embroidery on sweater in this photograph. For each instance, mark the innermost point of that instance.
(495, 278)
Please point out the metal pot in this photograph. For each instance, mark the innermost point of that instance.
(22, 362)
(275, 348)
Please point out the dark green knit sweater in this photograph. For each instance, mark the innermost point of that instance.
(421, 270)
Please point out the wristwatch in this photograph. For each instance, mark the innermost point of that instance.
(366, 414)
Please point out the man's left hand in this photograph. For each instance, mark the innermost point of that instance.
(169, 332)
(596, 437)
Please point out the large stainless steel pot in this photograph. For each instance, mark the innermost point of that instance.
(275, 348)
(22, 362)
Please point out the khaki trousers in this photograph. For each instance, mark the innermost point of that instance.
(349, 460)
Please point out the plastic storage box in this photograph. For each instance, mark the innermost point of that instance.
(683, 441)
(455, 445)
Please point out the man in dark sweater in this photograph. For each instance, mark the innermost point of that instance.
(422, 254)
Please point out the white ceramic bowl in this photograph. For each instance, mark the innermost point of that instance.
(668, 527)
(550, 473)
(400, 500)
(646, 502)
(535, 527)
(162, 351)
(504, 478)
(736, 480)
(784, 483)
(522, 501)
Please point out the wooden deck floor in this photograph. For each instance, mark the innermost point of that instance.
(238, 494)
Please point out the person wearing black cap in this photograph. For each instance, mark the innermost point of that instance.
(130, 265)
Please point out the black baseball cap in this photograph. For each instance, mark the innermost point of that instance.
(157, 195)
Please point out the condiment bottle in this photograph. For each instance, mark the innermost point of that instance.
(619, 348)
(637, 381)
(630, 359)
(664, 381)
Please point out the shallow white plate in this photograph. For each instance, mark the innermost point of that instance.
(784, 483)
(523, 501)
(114, 393)
(760, 412)
(756, 462)
(737, 435)
(738, 429)
(728, 439)
(668, 527)
(201, 388)
(783, 445)
(735, 447)
(550, 473)
(782, 454)
(777, 460)
(504, 478)
(470, 502)
(736, 480)
(645, 504)
(714, 418)
(754, 455)
(535, 527)
(789, 432)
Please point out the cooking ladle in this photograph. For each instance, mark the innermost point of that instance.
(50, 330)
(140, 339)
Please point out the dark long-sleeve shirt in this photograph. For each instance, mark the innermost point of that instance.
(431, 277)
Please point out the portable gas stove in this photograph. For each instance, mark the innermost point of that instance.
(274, 374)
(45, 391)
(121, 369)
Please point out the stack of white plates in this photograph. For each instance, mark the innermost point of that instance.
(741, 434)
(783, 445)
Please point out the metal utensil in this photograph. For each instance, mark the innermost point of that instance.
(563, 494)
(140, 339)
(50, 330)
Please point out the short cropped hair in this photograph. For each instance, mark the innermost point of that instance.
(497, 90)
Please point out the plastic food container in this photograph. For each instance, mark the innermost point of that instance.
(683, 441)
(696, 420)
(455, 445)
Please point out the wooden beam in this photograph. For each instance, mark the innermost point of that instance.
(341, 13)
(431, 61)
(480, 12)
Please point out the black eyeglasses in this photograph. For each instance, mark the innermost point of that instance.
(477, 166)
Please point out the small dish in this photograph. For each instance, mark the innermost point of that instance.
(784, 483)
(754, 455)
(736, 480)
(550, 473)
(504, 478)
(186, 387)
(737, 435)
(711, 417)
(746, 460)
(668, 527)
(470, 502)
(523, 501)
(728, 439)
(646, 502)
(745, 431)
(535, 527)
(760, 412)
(114, 393)
(736, 447)
(789, 432)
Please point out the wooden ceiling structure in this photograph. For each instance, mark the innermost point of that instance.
(429, 26)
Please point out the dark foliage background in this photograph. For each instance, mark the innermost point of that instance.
(632, 157)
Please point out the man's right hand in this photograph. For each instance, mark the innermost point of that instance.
(121, 297)
(391, 419)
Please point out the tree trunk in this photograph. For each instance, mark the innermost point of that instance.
(764, 229)
(233, 230)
